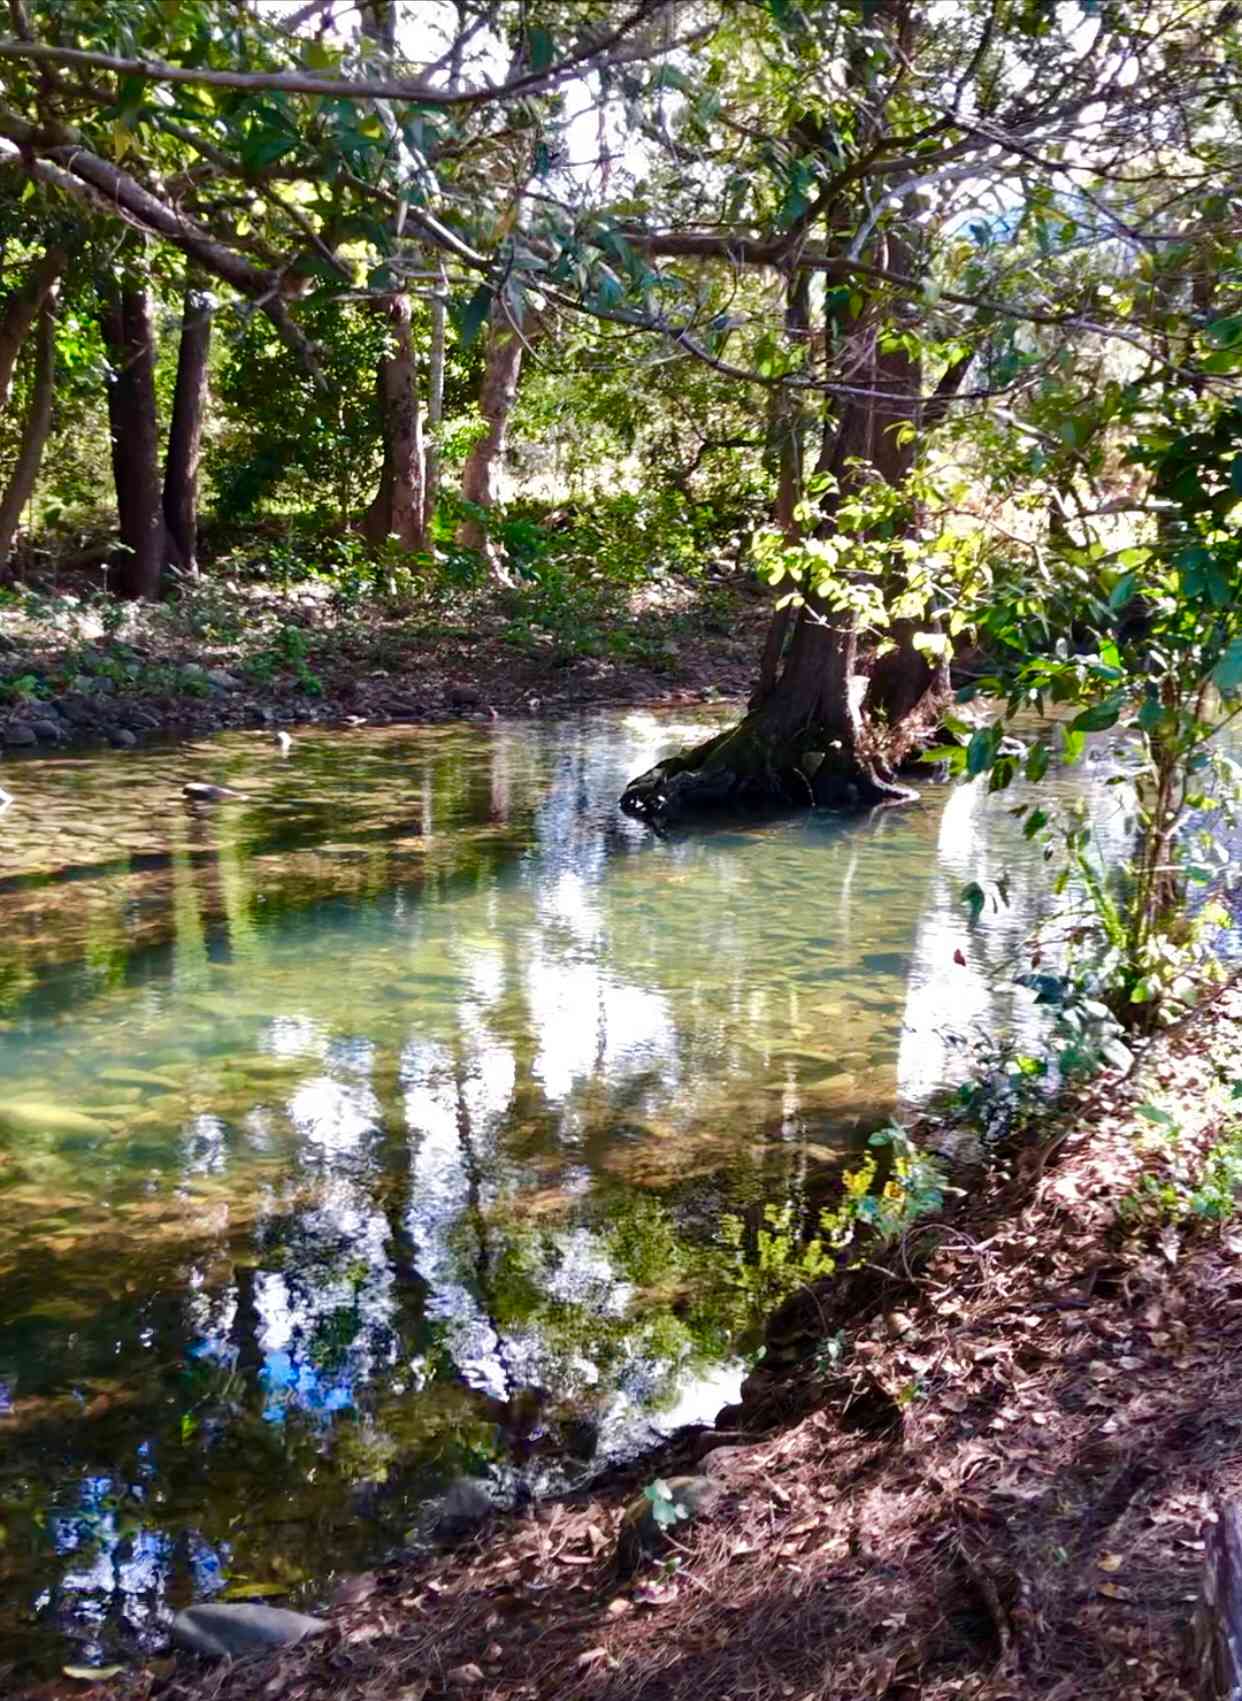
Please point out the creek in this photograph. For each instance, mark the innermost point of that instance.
(418, 1115)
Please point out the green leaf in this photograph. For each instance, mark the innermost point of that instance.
(664, 1509)
(1227, 674)
(1228, 360)
(1224, 333)
(1099, 717)
(1037, 761)
(1034, 823)
(1218, 589)
(951, 756)
(471, 318)
(669, 77)
(542, 49)
(1122, 591)
(981, 751)
(265, 149)
(320, 57)
(1073, 743)
(1153, 1113)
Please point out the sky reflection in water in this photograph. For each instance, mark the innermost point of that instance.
(386, 1126)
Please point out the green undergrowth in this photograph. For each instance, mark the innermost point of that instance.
(304, 608)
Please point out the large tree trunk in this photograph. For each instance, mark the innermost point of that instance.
(496, 399)
(185, 430)
(806, 739)
(130, 341)
(22, 309)
(34, 431)
(397, 510)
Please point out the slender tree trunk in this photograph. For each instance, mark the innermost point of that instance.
(435, 413)
(788, 434)
(496, 399)
(397, 510)
(185, 430)
(909, 690)
(22, 309)
(130, 341)
(34, 431)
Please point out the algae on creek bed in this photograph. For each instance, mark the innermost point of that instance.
(415, 1132)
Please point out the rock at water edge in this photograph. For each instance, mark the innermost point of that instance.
(227, 1632)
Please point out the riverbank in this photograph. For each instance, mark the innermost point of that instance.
(85, 671)
(979, 1465)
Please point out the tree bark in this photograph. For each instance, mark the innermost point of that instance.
(130, 341)
(435, 414)
(496, 399)
(908, 689)
(22, 309)
(185, 430)
(34, 432)
(397, 510)
(787, 434)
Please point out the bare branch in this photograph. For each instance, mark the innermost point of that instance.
(612, 48)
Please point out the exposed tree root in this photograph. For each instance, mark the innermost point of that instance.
(754, 768)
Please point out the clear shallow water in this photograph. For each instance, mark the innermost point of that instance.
(416, 1115)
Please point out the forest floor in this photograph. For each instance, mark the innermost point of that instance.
(994, 1485)
(80, 670)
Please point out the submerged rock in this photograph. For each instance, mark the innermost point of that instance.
(227, 1632)
(30, 1116)
(197, 792)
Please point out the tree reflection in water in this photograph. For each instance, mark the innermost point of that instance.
(416, 1116)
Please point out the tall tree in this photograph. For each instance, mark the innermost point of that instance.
(397, 509)
(134, 428)
(502, 368)
(35, 429)
(185, 430)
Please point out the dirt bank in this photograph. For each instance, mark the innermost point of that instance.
(993, 1486)
(237, 658)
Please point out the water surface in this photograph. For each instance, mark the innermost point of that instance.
(415, 1115)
